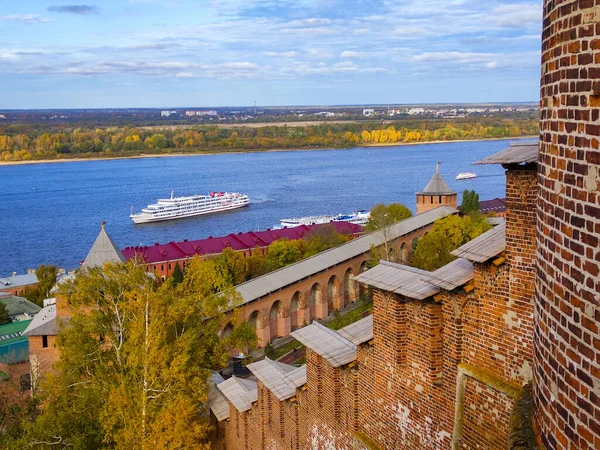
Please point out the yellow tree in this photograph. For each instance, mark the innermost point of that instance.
(135, 361)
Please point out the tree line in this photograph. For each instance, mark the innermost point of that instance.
(27, 142)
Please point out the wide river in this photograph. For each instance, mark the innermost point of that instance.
(51, 213)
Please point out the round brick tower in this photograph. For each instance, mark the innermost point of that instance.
(567, 310)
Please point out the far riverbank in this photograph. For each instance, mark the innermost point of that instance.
(242, 151)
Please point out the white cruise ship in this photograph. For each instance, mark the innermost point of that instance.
(194, 205)
(358, 218)
(466, 176)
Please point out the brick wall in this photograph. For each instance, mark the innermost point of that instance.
(567, 339)
(41, 358)
(427, 202)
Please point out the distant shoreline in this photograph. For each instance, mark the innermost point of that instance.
(212, 153)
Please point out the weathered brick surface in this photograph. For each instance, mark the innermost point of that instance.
(567, 339)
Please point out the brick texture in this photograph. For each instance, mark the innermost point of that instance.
(567, 339)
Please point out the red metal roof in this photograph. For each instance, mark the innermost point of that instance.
(158, 253)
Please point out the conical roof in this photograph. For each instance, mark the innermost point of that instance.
(104, 250)
(437, 185)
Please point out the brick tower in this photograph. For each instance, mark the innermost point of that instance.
(567, 310)
(436, 193)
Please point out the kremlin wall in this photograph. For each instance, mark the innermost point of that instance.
(500, 349)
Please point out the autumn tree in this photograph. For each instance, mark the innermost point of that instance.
(46, 276)
(283, 252)
(135, 360)
(434, 249)
(382, 218)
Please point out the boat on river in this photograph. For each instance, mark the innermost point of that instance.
(358, 218)
(194, 205)
(466, 176)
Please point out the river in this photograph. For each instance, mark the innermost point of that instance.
(51, 213)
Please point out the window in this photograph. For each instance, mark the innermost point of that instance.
(169, 266)
(440, 199)
(44, 341)
(162, 267)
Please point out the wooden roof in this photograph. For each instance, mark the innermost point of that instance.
(452, 275)
(281, 379)
(358, 332)
(484, 247)
(400, 279)
(338, 348)
(517, 153)
(239, 392)
(216, 400)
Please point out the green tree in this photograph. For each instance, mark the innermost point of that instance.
(433, 250)
(382, 218)
(322, 238)
(4, 319)
(257, 264)
(46, 276)
(177, 274)
(470, 202)
(283, 252)
(232, 266)
(135, 360)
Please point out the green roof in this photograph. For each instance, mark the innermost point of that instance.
(18, 305)
(12, 329)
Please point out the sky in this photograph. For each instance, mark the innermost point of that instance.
(200, 53)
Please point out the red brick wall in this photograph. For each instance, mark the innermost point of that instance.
(567, 338)
(428, 202)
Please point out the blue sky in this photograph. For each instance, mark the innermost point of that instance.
(194, 53)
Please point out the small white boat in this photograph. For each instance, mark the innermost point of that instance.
(359, 218)
(466, 176)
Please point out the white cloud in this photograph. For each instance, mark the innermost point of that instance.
(308, 23)
(352, 54)
(25, 18)
(517, 15)
(290, 54)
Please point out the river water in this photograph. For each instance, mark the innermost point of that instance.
(51, 213)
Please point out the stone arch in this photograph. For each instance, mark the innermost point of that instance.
(362, 289)
(315, 298)
(350, 291)
(275, 313)
(333, 293)
(296, 308)
(254, 319)
(227, 330)
(403, 253)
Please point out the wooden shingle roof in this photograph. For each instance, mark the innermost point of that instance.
(517, 153)
(281, 379)
(400, 279)
(216, 400)
(338, 348)
(452, 275)
(239, 392)
(484, 247)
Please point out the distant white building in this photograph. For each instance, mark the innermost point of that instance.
(210, 112)
(190, 113)
(416, 111)
(368, 112)
(168, 113)
(325, 114)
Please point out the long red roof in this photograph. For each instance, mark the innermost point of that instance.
(185, 249)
